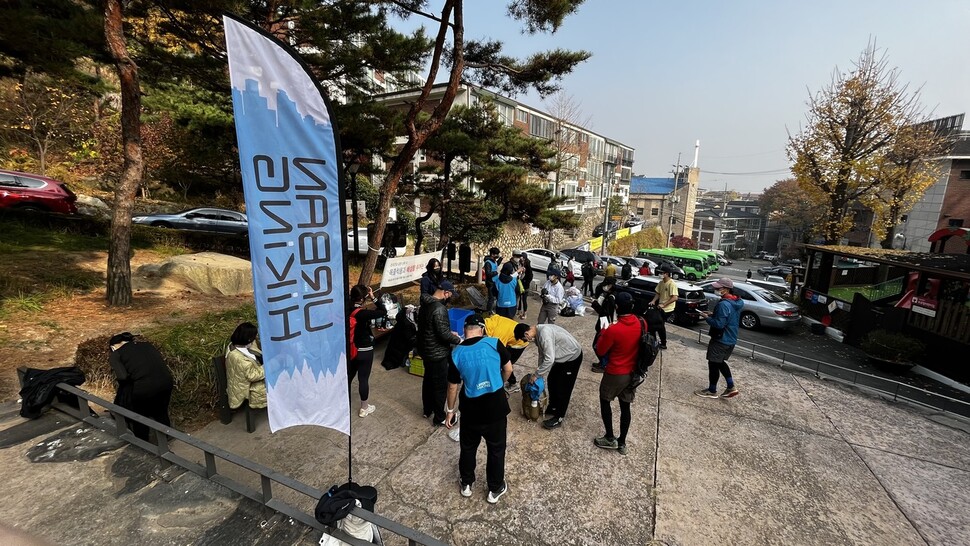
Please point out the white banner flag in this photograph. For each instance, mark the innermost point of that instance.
(288, 158)
(405, 269)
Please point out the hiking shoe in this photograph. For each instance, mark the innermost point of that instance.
(364, 412)
(606, 442)
(466, 490)
(494, 496)
(663, 346)
(598, 369)
(705, 393)
(512, 387)
(553, 422)
(621, 449)
(730, 392)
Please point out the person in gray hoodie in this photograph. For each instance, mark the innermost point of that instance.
(560, 357)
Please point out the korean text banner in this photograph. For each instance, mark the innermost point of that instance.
(405, 269)
(288, 158)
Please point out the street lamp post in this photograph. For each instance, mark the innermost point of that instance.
(606, 215)
(352, 171)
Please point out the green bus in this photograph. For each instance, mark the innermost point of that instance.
(708, 257)
(693, 265)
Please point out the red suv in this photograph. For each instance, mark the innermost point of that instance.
(35, 192)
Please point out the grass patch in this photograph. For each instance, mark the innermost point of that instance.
(19, 236)
(188, 348)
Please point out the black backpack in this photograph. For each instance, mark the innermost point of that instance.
(646, 354)
(626, 272)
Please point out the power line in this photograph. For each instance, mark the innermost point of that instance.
(775, 171)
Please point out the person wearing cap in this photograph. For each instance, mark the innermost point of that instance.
(525, 276)
(491, 272)
(620, 344)
(560, 357)
(553, 294)
(435, 341)
(724, 336)
(666, 299)
(479, 367)
(144, 381)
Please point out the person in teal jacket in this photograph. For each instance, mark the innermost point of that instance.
(724, 336)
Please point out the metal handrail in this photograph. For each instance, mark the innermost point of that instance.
(897, 389)
(268, 476)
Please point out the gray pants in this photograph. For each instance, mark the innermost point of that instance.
(548, 313)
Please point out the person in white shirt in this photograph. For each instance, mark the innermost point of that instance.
(553, 294)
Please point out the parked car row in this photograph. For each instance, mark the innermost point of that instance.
(199, 219)
(690, 301)
(761, 306)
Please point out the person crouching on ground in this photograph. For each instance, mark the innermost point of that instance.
(245, 377)
(724, 336)
(144, 381)
(361, 365)
(480, 367)
(560, 357)
(504, 330)
(620, 343)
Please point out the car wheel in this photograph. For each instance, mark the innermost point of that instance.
(749, 321)
(691, 277)
(161, 224)
(31, 209)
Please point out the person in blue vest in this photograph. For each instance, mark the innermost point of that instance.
(491, 272)
(506, 291)
(479, 368)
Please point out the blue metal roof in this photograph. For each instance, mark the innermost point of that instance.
(641, 184)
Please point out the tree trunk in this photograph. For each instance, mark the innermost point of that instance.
(443, 226)
(119, 249)
(418, 233)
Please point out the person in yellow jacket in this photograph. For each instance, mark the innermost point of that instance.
(244, 368)
(504, 329)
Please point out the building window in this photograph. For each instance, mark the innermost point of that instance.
(955, 222)
(964, 175)
(654, 211)
(522, 115)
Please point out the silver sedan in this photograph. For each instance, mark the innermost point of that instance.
(761, 307)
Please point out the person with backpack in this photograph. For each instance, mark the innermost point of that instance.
(490, 272)
(620, 344)
(626, 272)
(361, 358)
(724, 336)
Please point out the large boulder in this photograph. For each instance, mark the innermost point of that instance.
(92, 206)
(205, 272)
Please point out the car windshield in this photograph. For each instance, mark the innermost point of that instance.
(769, 296)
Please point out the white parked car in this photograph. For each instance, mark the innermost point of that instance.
(541, 258)
(362, 243)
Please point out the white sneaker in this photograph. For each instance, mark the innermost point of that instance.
(455, 434)
(466, 490)
(364, 412)
(494, 497)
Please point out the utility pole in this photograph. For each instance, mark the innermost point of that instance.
(606, 215)
(673, 203)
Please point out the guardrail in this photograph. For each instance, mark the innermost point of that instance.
(897, 390)
(269, 478)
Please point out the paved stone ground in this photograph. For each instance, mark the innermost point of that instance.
(792, 460)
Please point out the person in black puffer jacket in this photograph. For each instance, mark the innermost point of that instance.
(604, 303)
(435, 342)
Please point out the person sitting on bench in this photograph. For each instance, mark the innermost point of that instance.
(244, 369)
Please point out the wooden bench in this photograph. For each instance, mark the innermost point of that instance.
(222, 387)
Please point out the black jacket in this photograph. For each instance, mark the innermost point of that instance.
(38, 389)
(140, 368)
(435, 339)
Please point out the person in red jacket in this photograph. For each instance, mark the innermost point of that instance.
(619, 343)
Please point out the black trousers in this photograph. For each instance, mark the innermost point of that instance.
(562, 379)
(514, 354)
(494, 434)
(434, 388)
(626, 416)
(362, 365)
(662, 331)
(716, 369)
(153, 405)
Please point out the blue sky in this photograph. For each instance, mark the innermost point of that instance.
(734, 74)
